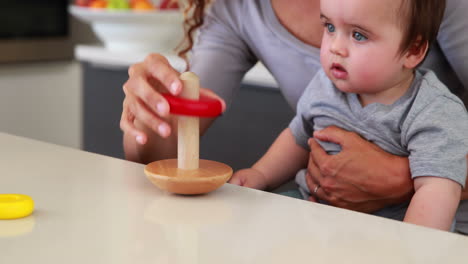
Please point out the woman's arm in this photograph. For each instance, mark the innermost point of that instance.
(220, 58)
(344, 183)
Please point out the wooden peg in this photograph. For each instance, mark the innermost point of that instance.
(188, 142)
(188, 174)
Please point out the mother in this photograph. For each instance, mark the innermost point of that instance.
(285, 37)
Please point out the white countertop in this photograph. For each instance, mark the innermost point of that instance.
(95, 209)
(258, 75)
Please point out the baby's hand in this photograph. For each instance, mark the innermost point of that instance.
(251, 178)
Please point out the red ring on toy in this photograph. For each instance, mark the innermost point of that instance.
(204, 107)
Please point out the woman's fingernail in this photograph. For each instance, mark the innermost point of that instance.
(163, 129)
(161, 108)
(175, 87)
(140, 140)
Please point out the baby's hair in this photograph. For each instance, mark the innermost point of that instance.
(420, 21)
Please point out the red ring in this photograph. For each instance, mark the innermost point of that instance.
(204, 107)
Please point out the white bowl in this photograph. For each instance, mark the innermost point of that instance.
(128, 30)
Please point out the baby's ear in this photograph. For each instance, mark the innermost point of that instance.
(415, 54)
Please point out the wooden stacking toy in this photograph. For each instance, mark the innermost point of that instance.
(188, 174)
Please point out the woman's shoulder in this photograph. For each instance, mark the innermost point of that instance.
(234, 8)
(455, 21)
(238, 15)
(454, 7)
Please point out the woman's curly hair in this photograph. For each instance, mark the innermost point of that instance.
(194, 17)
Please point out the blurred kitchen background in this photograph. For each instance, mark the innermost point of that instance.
(59, 84)
(40, 81)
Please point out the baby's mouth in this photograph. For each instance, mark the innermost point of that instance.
(338, 67)
(338, 71)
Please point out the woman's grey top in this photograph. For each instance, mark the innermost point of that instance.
(238, 33)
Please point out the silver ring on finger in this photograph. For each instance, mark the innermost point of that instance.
(316, 189)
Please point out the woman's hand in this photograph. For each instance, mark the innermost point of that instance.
(251, 178)
(146, 122)
(362, 177)
(143, 101)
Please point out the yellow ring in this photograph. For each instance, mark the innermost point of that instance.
(14, 206)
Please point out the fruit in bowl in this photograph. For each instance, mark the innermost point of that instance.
(98, 4)
(131, 4)
(121, 27)
(118, 4)
(82, 2)
(169, 4)
(141, 5)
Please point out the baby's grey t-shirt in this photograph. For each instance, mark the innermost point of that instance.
(428, 124)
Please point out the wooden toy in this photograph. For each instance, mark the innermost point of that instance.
(188, 174)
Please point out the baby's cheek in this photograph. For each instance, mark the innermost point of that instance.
(324, 59)
(370, 73)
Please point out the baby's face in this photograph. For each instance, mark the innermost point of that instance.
(360, 46)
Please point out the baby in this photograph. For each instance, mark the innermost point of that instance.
(369, 85)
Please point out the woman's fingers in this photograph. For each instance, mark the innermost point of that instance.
(149, 119)
(332, 134)
(311, 184)
(158, 67)
(148, 94)
(143, 85)
(327, 165)
(316, 153)
(128, 127)
(314, 176)
(316, 190)
(134, 108)
(143, 100)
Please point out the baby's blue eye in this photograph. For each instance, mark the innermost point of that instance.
(359, 37)
(330, 27)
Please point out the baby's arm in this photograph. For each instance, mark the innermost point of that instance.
(435, 202)
(282, 161)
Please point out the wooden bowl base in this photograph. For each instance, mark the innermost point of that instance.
(208, 177)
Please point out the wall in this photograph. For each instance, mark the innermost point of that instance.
(42, 100)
